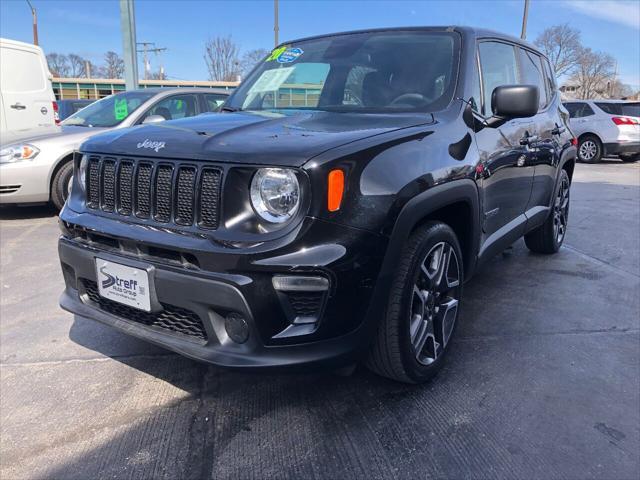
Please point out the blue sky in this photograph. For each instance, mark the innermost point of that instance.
(92, 27)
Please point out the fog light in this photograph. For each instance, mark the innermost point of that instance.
(300, 284)
(236, 327)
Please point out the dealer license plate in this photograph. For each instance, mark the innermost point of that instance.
(123, 284)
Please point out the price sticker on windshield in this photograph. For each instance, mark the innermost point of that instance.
(120, 108)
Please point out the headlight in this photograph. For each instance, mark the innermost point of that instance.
(18, 152)
(275, 194)
(82, 172)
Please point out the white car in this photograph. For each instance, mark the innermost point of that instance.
(605, 127)
(26, 95)
(39, 168)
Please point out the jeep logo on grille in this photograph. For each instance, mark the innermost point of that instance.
(151, 144)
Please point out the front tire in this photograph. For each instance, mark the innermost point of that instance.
(412, 340)
(60, 185)
(548, 237)
(589, 149)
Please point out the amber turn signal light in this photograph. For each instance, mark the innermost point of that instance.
(335, 190)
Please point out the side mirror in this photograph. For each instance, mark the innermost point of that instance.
(153, 119)
(513, 101)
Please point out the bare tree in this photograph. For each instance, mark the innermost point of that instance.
(251, 58)
(221, 56)
(561, 44)
(113, 65)
(76, 66)
(159, 75)
(594, 73)
(58, 64)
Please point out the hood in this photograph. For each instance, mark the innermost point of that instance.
(59, 135)
(244, 137)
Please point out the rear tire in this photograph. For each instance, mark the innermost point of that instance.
(422, 311)
(60, 185)
(589, 149)
(548, 237)
(629, 158)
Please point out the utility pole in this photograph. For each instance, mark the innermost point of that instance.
(525, 16)
(128, 26)
(145, 58)
(35, 23)
(276, 29)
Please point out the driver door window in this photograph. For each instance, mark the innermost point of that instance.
(499, 67)
(175, 107)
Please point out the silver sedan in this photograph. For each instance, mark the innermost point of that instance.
(37, 168)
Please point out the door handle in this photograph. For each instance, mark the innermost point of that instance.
(18, 106)
(529, 139)
(558, 130)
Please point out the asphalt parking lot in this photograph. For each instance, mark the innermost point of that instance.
(543, 380)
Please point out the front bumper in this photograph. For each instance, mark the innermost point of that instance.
(241, 284)
(616, 148)
(24, 182)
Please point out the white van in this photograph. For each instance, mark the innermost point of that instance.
(26, 95)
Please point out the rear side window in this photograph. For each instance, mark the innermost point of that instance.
(214, 101)
(579, 109)
(498, 63)
(551, 77)
(629, 109)
(21, 71)
(531, 74)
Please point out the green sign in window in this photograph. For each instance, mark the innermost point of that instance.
(120, 109)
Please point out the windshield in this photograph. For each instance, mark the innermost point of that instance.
(363, 72)
(631, 109)
(109, 111)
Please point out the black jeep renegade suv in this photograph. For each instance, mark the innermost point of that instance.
(334, 209)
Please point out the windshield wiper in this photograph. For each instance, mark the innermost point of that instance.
(230, 109)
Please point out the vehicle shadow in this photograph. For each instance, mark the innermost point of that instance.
(226, 411)
(12, 212)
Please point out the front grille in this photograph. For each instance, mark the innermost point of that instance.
(306, 304)
(9, 188)
(173, 318)
(165, 192)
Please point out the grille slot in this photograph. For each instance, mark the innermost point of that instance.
(93, 183)
(164, 192)
(209, 197)
(186, 195)
(164, 185)
(172, 318)
(108, 185)
(143, 190)
(125, 188)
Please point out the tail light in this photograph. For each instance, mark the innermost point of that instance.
(56, 115)
(574, 141)
(624, 121)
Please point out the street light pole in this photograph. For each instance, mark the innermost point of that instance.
(525, 16)
(275, 21)
(35, 23)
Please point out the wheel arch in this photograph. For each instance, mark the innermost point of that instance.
(591, 134)
(455, 203)
(62, 160)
